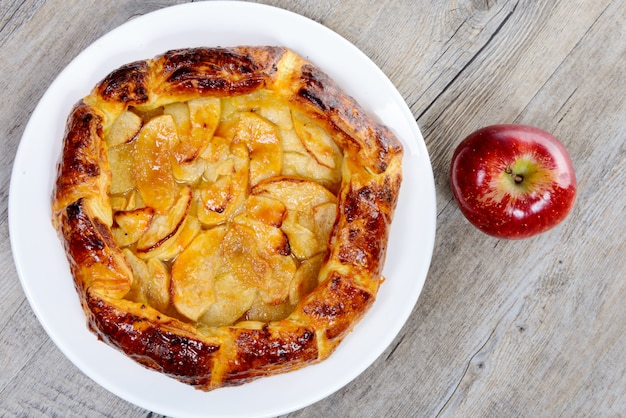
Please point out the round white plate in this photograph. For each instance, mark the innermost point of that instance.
(43, 268)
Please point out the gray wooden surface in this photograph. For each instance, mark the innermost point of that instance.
(524, 328)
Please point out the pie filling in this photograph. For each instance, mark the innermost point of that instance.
(223, 207)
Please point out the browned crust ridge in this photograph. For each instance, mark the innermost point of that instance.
(350, 276)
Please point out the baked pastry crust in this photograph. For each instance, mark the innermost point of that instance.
(350, 276)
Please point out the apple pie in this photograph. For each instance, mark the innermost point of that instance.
(225, 212)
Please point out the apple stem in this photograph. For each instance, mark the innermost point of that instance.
(517, 178)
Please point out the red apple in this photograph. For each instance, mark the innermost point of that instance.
(513, 181)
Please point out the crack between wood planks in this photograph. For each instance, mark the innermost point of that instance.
(469, 363)
(563, 105)
(432, 83)
(566, 100)
(445, 206)
(468, 63)
(595, 22)
(515, 306)
(395, 347)
(19, 6)
(556, 69)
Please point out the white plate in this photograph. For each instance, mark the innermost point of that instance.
(41, 262)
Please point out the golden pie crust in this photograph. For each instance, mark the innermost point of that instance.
(209, 357)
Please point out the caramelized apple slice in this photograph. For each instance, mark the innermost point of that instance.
(151, 282)
(165, 226)
(291, 142)
(153, 171)
(218, 160)
(189, 172)
(157, 289)
(303, 241)
(316, 141)
(324, 216)
(276, 291)
(243, 257)
(262, 102)
(260, 311)
(134, 200)
(296, 164)
(305, 279)
(124, 129)
(268, 239)
(131, 225)
(173, 246)
(295, 193)
(217, 150)
(204, 117)
(228, 126)
(213, 171)
(261, 138)
(140, 276)
(127, 201)
(308, 232)
(232, 299)
(147, 113)
(118, 202)
(265, 209)
(195, 271)
(255, 255)
(301, 197)
(277, 112)
(180, 113)
(218, 200)
(121, 163)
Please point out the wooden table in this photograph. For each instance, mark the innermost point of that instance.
(502, 328)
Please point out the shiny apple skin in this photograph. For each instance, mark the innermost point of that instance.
(482, 178)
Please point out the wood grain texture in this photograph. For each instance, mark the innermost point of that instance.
(502, 328)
